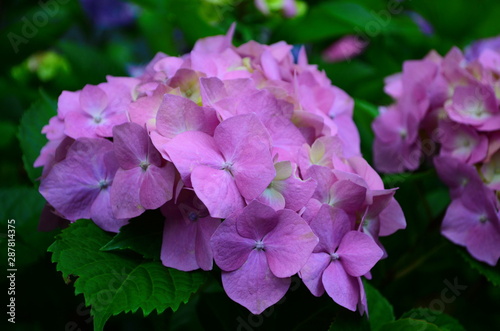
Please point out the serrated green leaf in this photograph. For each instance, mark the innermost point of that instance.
(491, 273)
(24, 205)
(30, 134)
(409, 324)
(113, 283)
(380, 310)
(443, 321)
(142, 235)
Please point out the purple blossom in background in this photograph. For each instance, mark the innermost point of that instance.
(447, 108)
(344, 49)
(110, 13)
(476, 48)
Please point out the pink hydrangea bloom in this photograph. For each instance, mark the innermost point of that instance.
(448, 109)
(259, 249)
(240, 148)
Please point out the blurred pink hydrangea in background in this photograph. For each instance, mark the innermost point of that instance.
(447, 108)
(252, 157)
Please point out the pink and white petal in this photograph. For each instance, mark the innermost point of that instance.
(229, 248)
(190, 149)
(312, 272)
(178, 246)
(79, 124)
(102, 215)
(341, 287)
(347, 195)
(217, 190)
(125, 196)
(93, 99)
(272, 198)
(253, 285)
(157, 186)
(289, 244)
(358, 253)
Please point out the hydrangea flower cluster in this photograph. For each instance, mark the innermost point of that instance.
(448, 108)
(252, 156)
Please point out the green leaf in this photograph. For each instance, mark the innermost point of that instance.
(381, 311)
(24, 205)
(113, 283)
(30, 133)
(491, 273)
(143, 235)
(443, 321)
(409, 324)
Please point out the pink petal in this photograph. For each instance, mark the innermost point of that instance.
(131, 144)
(272, 198)
(204, 255)
(246, 146)
(93, 99)
(218, 191)
(289, 244)
(178, 245)
(192, 148)
(102, 215)
(253, 285)
(125, 198)
(347, 195)
(256, 221)
(330, 225)
(341, 287)
(178, 114)
(229, 248)
(391, 219)
(358, 253)
(157, 186)
(312, 272)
